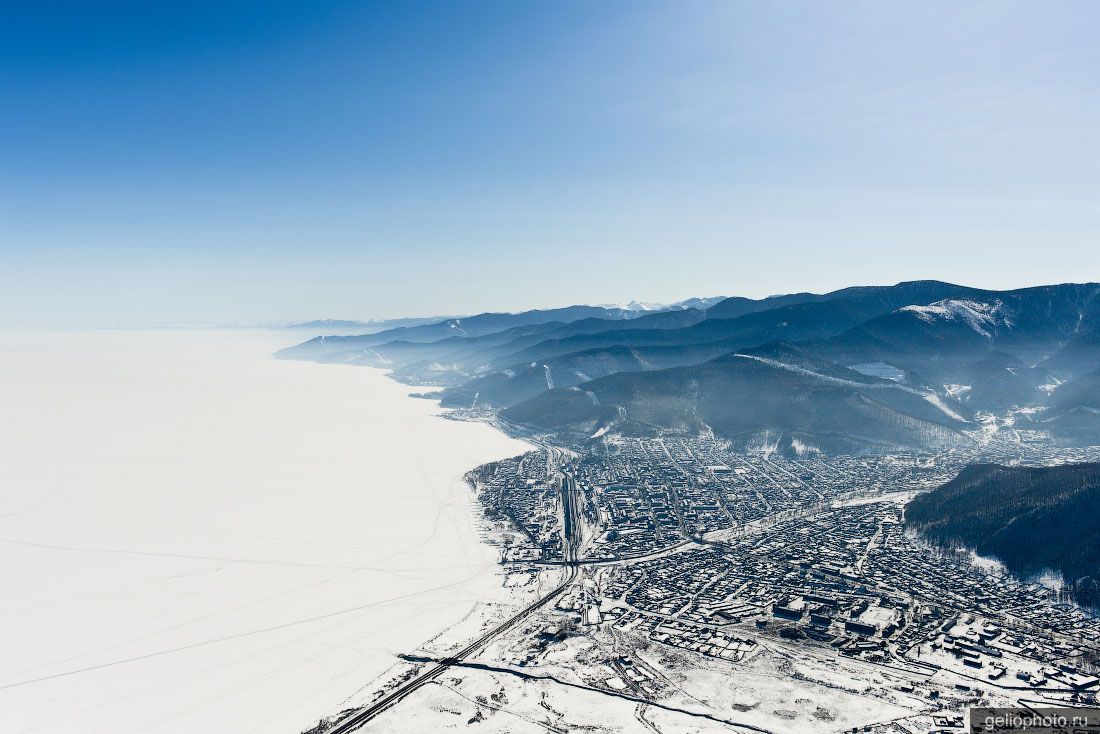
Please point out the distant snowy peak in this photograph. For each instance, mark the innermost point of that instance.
(977, 315)
(642, 306)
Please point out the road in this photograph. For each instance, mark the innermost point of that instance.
(570, 547)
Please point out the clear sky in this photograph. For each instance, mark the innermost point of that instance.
(164, 161)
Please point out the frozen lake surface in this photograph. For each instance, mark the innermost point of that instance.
(195, 537)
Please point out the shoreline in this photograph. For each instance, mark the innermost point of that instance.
(482, 614)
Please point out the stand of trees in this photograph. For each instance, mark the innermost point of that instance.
(1032, 519)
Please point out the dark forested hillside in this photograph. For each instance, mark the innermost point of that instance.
(775, 395)
(1030, 518)
(1074, 411)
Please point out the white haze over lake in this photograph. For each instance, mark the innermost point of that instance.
(195, 537)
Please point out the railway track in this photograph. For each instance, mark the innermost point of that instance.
(360, 717)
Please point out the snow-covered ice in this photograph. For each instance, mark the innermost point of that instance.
(197, 537)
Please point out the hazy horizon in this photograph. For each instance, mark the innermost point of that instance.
(262, 323)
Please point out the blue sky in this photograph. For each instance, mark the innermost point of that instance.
(276, 160)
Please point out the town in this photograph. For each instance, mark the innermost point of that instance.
(719, 555)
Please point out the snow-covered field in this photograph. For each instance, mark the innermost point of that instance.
(197, 538)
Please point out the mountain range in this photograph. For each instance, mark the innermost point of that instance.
(915, 365)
